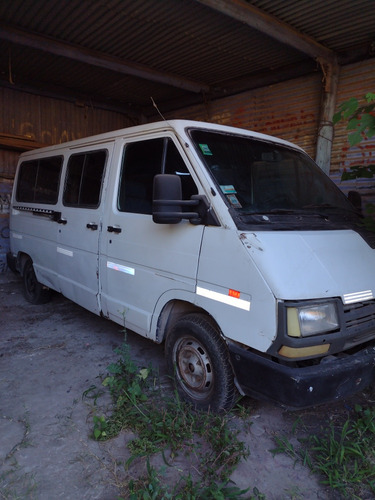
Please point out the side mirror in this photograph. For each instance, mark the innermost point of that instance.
(167, 198)
(168, 205)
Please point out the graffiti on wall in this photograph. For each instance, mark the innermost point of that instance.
(243, 117)
(362, 154)
(52, 136)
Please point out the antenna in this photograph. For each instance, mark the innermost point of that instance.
(157, 109)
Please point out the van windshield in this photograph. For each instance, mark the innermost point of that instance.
(259, 177)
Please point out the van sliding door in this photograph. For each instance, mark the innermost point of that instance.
(80, 225)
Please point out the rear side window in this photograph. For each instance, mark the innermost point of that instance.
(84, 178)
(39, 180)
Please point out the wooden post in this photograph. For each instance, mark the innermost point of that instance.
(331, 71)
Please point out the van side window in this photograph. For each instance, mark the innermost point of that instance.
(175, 165)
(84, 179)
(39, 180)
(141, 162)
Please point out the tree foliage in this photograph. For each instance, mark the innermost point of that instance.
(360, 116)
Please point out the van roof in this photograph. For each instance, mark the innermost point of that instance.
(177, 126)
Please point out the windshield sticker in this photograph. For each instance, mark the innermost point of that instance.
(205, 149)
(228, 189)
(233, 200)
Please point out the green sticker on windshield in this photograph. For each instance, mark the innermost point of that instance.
(205, 149)
(228, 189)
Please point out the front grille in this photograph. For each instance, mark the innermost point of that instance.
(360, 323)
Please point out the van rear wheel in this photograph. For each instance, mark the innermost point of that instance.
(34, 292)
(198, 359)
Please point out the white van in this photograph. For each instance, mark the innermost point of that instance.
(230, 246)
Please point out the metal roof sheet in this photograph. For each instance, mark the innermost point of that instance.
(170, 41)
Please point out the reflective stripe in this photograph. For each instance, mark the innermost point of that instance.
(17, 236)
(350, 298)
(122, 269)
(69, 253)
(225, 299)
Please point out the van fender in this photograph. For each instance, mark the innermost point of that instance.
(170, 306)
(173, 304)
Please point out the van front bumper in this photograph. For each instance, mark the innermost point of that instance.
(331, 380)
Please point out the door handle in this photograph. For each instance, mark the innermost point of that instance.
(92, 226)
(56, 217)
(114, 229)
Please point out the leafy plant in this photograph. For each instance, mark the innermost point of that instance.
(360, 116)
(151, 487)
(359, 171)
(100, 426)
(166, 425)
(343, 455)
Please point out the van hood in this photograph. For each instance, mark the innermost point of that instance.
(301, 265)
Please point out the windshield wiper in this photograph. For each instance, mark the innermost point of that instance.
(321, 210)
(330, 207)
(321, 205)
(275, 211)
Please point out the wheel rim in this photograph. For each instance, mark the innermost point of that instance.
(194, 368)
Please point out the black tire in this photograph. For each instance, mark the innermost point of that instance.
(34, 292)
(198, 359)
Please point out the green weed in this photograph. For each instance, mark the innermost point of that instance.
(92, 393)
(15, 485)
(151, 487)
(100, 427)
(165, 425)
(343, 455)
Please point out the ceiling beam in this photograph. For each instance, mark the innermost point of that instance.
(75, 97)
(94, 58)
(265, 23)
(239, 85)
(18, 143)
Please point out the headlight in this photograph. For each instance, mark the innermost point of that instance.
(312, 320)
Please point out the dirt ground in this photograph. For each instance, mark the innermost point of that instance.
(50, 355)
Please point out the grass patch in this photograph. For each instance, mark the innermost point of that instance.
(342, 454)
(15, 485)
(166, 426)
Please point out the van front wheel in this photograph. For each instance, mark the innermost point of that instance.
(34, 292)
(198, 359)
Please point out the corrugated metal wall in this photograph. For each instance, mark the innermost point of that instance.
(355, 81)
(289, 110)
(49, 121)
